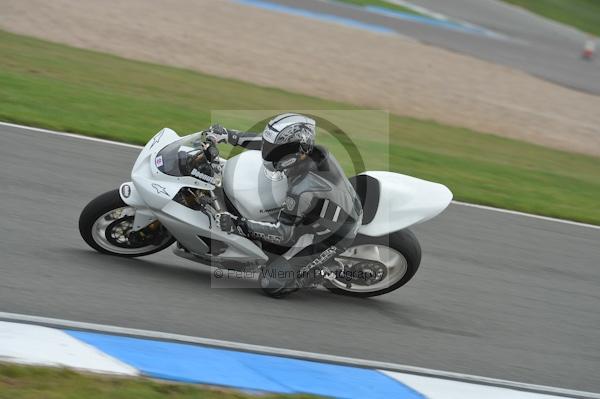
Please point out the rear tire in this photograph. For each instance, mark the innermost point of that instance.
(405, 243)
(107, 213)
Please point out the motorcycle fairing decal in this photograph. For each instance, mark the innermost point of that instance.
(204, 177)
(160, 189)
(125, 190)
(157, 138)
(269, 211)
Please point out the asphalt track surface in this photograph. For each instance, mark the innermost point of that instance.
(497, 295)
(536, 45)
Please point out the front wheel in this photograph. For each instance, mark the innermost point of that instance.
(106, 225)
(377, 265)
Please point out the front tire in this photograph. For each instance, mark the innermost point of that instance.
(399, 252)
(105, 224)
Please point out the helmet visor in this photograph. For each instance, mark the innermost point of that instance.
(275, 152)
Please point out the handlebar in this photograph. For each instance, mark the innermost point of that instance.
(211, 152)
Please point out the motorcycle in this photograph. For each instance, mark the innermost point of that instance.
(179, 184)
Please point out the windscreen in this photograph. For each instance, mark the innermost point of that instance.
(181, 157)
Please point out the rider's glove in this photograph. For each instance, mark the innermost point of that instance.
(217, 134)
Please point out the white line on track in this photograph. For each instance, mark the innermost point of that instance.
(72, 135)
(529, 215)
(69, 324)
(483, 207)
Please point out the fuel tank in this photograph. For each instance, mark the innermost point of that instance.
(256, 193)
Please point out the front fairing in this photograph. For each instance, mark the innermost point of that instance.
(148, 177)
(173, 158)
(154, 191)
(155, 144)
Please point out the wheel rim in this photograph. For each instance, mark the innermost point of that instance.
(110, 231)
(375, 258)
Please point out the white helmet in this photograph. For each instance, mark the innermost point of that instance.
(285, 138)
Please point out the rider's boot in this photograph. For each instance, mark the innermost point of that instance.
(278, 278)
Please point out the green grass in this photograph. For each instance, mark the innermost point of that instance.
(379, 3)
(63, 88)
(582, 14)
(24, 382)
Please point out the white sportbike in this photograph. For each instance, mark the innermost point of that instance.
(178, 185)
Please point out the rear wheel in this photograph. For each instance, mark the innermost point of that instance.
(106, 225)
(377, 265)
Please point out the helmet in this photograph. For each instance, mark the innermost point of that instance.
(285, 138)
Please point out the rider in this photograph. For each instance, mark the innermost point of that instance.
(321, 214)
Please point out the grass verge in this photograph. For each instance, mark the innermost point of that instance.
(582, 14)
(63, 88)
(26, 382)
